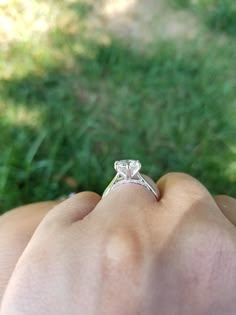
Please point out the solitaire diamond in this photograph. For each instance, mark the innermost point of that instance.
(127, 168)
(128, 173)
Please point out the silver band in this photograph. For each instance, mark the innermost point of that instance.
(128, 172)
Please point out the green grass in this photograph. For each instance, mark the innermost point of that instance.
(71, 105)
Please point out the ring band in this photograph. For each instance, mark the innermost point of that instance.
(128, 172)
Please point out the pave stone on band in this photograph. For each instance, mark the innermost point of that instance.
(128, 172)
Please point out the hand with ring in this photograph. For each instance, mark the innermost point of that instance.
(144, 248)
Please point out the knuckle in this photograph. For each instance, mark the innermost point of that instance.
(123, 249)
(187, 185)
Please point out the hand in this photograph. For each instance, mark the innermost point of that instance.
(129, 254)
(16, 229)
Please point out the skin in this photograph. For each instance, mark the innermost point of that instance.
(124, 254)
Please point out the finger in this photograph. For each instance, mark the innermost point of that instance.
(181, 184)
(227, 205)
(181, 193)
(16, 229)
(73, 209)
(125, 197)
(35, 211)
(187, 206)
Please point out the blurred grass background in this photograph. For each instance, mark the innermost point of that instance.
(85, 83)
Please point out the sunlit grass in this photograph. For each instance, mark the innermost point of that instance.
(75, 97)
(25, 35)
(26, 20)
(20, 116)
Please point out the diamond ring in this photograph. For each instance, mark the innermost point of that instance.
(128, 172)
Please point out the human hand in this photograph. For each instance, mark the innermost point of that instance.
(16, 229)
(129, 254)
